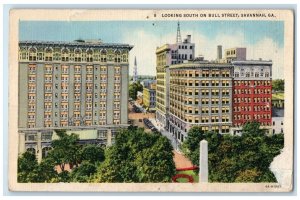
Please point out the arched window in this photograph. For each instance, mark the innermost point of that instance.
(117, 56)
(78, 55)
(31, 150)
(45, 151)
(65, 55)
(247, 74)
(89, 55)
(32, 54)
(267, 74)
(103, 56)
(23, 54)
(125, 59)
(48, 54)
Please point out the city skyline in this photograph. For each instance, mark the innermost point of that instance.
(263, 39)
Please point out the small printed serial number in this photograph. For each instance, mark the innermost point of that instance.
(273, 186)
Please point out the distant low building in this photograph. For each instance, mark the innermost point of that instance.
(277, 120)
(147, 82)
(139, 98)
(235, 54)
(277, 100)
(149, 97)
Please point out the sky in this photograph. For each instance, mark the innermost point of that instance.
(263, 39)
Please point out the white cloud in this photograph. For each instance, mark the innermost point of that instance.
(145, 44)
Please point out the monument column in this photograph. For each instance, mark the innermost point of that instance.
(203, 174)
(109, 137)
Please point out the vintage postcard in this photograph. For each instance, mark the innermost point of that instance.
(151, 100)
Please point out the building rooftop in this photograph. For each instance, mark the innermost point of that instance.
(277, 112)
(252, 62)
(195, 64)
(76, 43)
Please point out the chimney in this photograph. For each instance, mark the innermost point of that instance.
(219, 52)
(188, 37)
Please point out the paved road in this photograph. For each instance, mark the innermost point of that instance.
(167, 134)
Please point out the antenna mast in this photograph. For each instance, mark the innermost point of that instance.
(178, 38)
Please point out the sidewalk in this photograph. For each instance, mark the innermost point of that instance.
(167, 134)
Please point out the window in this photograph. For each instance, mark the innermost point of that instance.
(32, 54)
(102, 134)
(89, 54)
(48, 54)
(65, 55)
(103, 56)
(78, 55)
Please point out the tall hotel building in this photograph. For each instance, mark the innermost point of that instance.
(252, 96)
(79, 86)
(200, 95)
(167, 55)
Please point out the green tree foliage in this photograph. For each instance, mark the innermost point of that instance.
(252, 128)
(83, 161)
(243, 158)
(137, 156)
(92, 153)
(65, 150)
(134, 88)
(278, 85)
(27, 168)
(30, 171)
(83, 172)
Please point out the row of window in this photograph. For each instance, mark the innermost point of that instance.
(252, 83)
(250, 91)
(252, 117)
(207, 92)
(265, 100)
(249, 108)
(204, 110)
(77, 56)
(252, 74)
(202, 83)
(199, 73)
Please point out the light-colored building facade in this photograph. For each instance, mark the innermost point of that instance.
(234, 54)
(147, 82)
(149, 97)
(200, 95)
(79, 86)
(166, 55)
(277, 120)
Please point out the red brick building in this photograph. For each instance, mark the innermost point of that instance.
(252, 93)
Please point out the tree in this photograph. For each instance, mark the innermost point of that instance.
(155, 164)
(83, 172)
(190, 147)
(27, 168)
(47, 172)
(65, 150)
(253, 128)
(134, 88)
(137, 156)
(91, 153)
(278, 85)
(243, 158)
